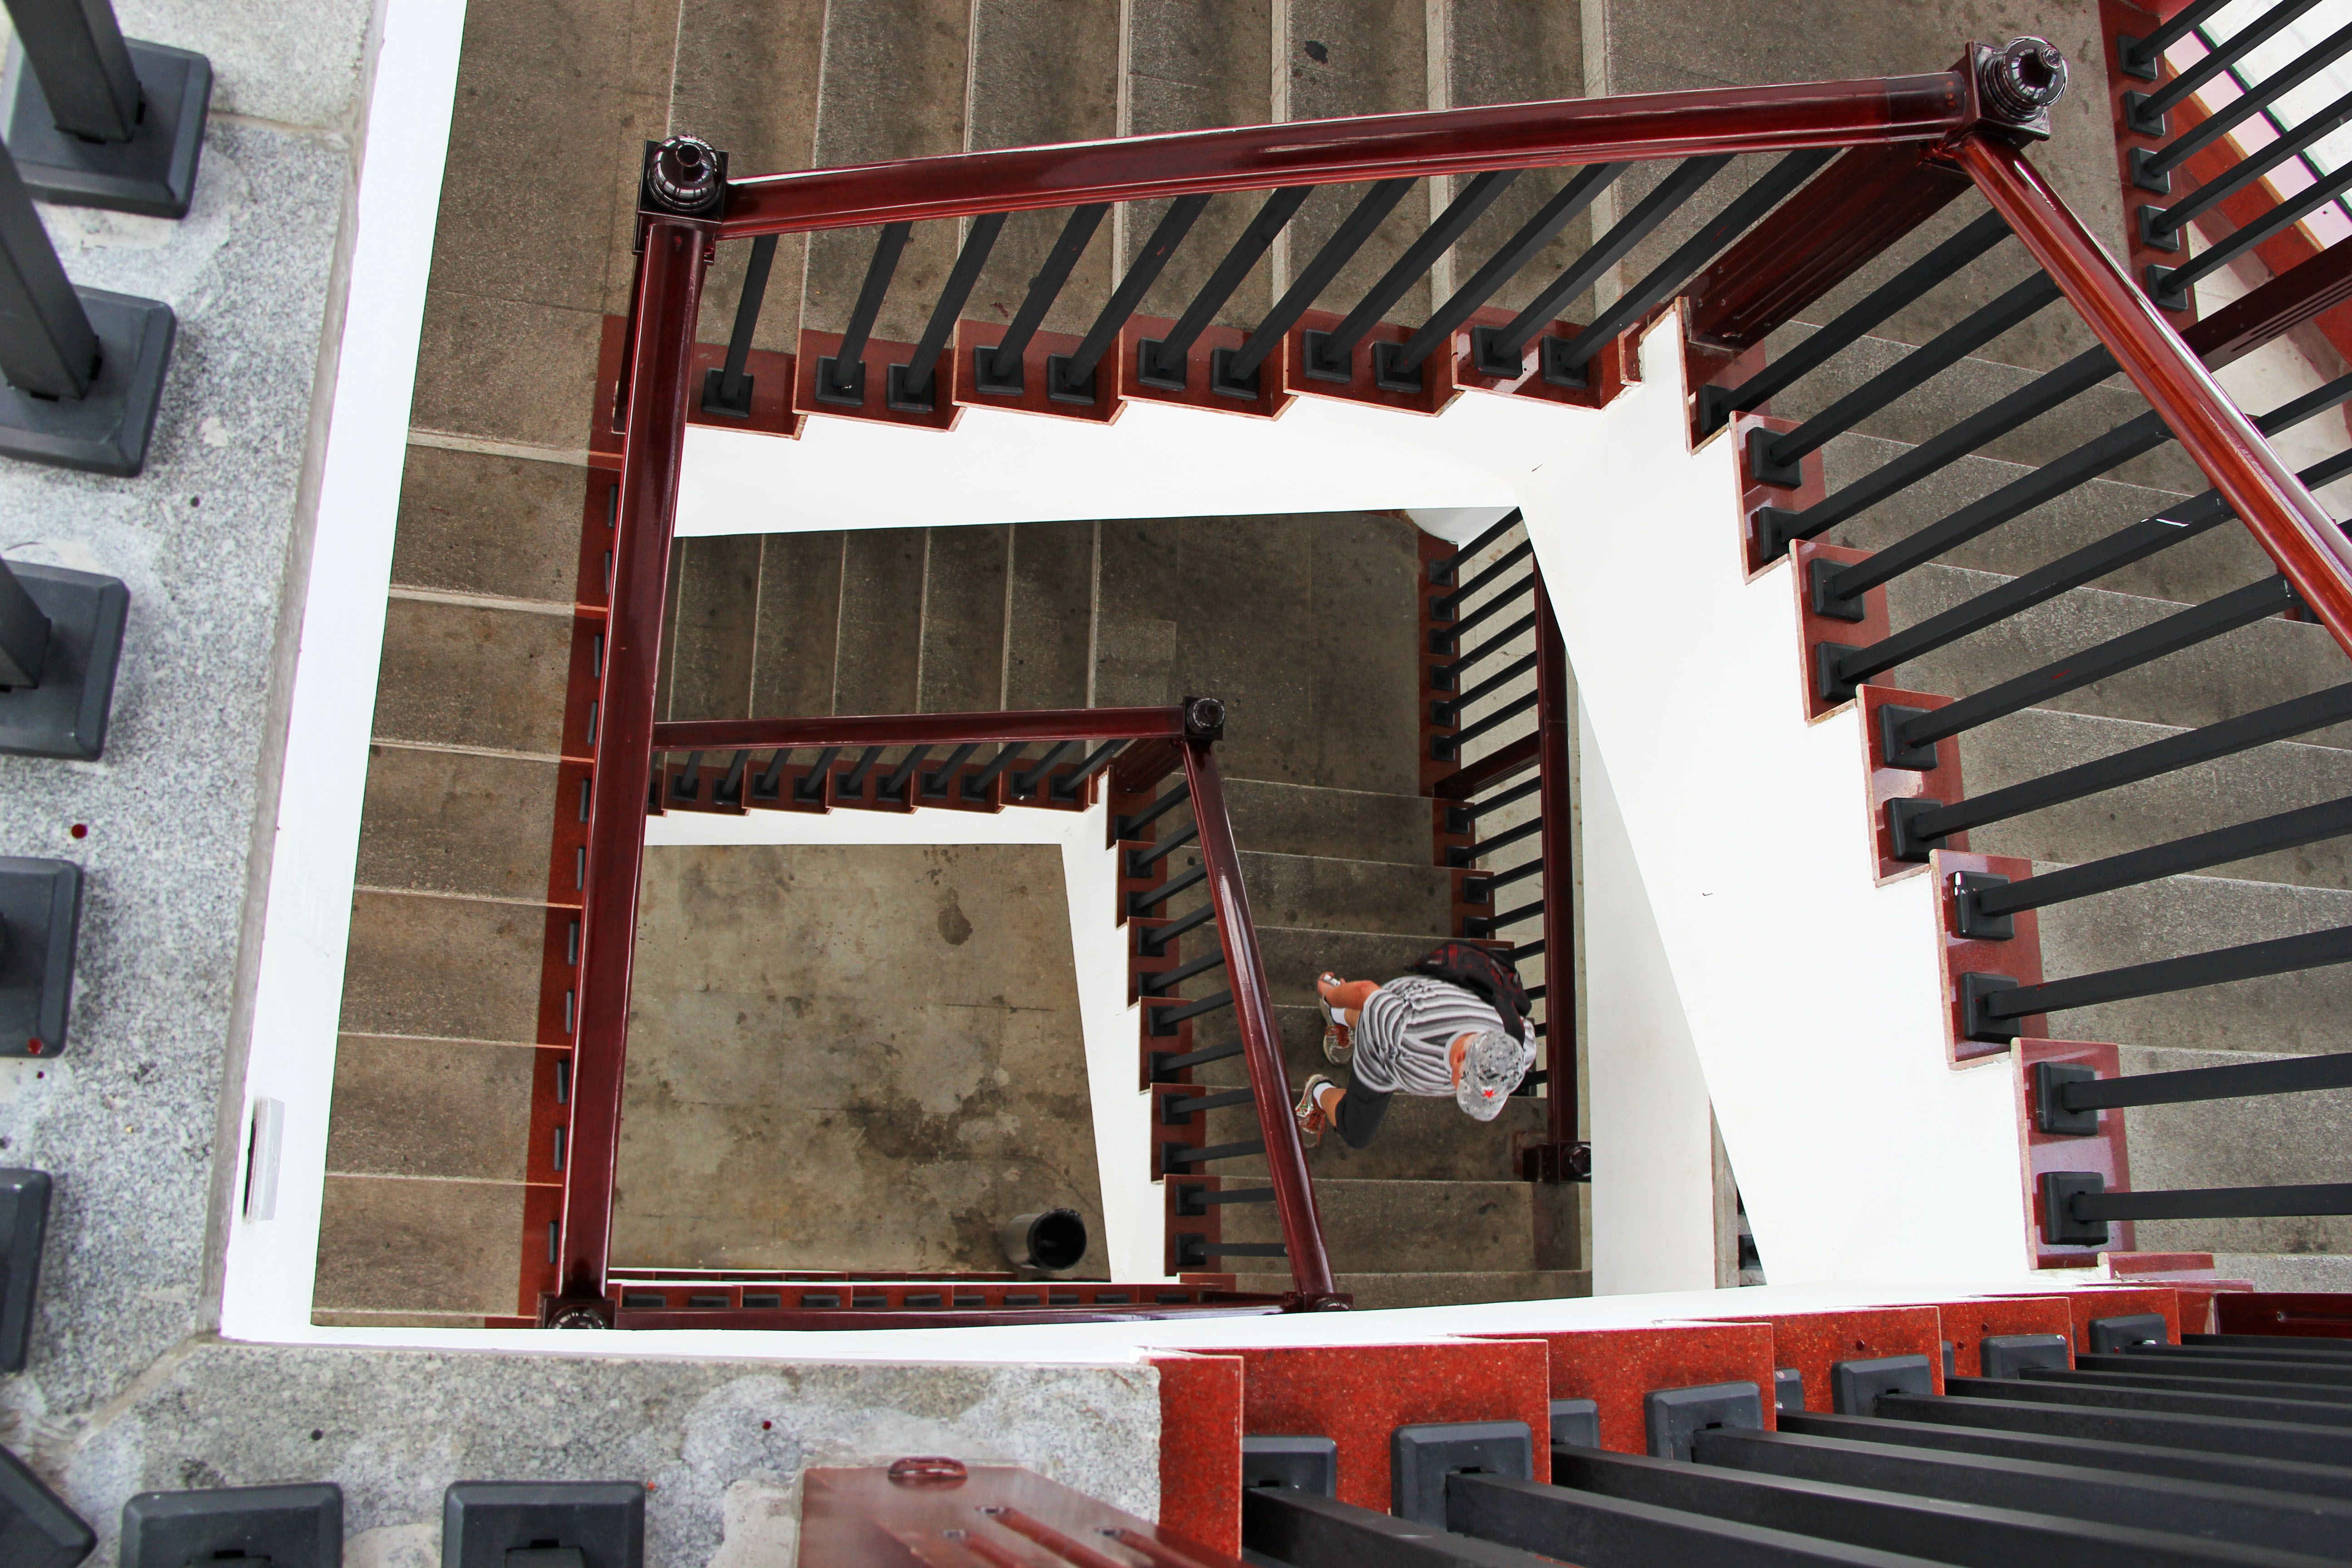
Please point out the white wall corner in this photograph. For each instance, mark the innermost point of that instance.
(1812, 995)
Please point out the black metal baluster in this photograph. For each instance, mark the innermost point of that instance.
(976, 786)
(688, 785)
(1330, 356)
(996, 370)
(1446, 748)
(1070, 377)
(1233, 372)
(841, 375)
(1101, 757)
(1445, 712)
(1778, 528)
(2199, 622)
(1129, 826)
(2145, 113)
(2224, 845)
(909, 387)
(812, 786)
(1563, 364)
(727, 390)
(1502, 351)
(1163, 362)
(852, 783)
(769, 784)
(2151, 165)
(2141, 539)
(1776, 458)
(935, 782)
(2158, 225)
(1441, 606)
(50, 348)
(2141, 57)
(729, 790)
(1539, 231)
(1441, 570)
(895, 786)
(2170, 286)
(1024, 784)
(1922, 825)
(1717, 404)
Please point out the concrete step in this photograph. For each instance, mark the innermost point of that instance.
(1429, 1226)
(1295, 955)
(2287, 1273)
(2274, 778)
(1049, 616)
(2267, 662)
(2212, 563)
(1305, 891)
(1976, 383)
(1282, 819)
(1302, 625)
(958, 624)
(1374, 1291)
(2274, 1141)
(2300, 1011)
(1422, 1139)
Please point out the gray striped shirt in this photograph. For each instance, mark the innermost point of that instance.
(1406, 1033)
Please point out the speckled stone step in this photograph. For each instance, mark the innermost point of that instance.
(2304, 1010)
(2272, 1140)
(2274, 778)
(1280, 818)
(1386, 1227)
(2269, 661)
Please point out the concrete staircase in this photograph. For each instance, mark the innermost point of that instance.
(2294, 1139)
(1305, 626)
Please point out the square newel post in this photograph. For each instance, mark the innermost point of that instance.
(97, 120)
(83, 367)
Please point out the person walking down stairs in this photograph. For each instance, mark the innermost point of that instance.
(1455, 1026)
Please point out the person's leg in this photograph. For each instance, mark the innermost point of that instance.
(1345, 997)
(1357, 1114)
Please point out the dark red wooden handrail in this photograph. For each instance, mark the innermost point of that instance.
(1285, 1161)
(669, 290)
(921, 728)
(2291, 526)
(1365, 147)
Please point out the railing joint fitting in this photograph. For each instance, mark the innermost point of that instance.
(1897, 751)
(2051, 1114)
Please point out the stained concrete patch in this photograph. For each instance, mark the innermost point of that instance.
(858, 1058)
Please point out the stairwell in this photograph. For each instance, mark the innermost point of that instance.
(2247, 1143)
(438, 1176)
(1306, 627)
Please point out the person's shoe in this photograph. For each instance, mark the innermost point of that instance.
(1311, 1119)
(1338, 1040)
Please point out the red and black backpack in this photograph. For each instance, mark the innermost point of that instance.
(1486, 975)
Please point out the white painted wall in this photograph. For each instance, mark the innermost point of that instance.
(1654, 1170)
(1812, 996)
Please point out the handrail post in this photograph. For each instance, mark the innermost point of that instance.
(1285, 1161)
(1553, 715)
(679, 203)
(2291, 526)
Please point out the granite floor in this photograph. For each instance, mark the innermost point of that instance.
(856, 1058)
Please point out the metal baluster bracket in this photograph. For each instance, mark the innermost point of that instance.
(40, 913)
(84, 368)
(97, 120)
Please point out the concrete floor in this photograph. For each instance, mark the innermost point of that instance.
(801, 1093)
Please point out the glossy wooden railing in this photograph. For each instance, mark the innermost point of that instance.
(1170, 736)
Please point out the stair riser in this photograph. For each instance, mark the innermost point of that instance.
(1439, 1226)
